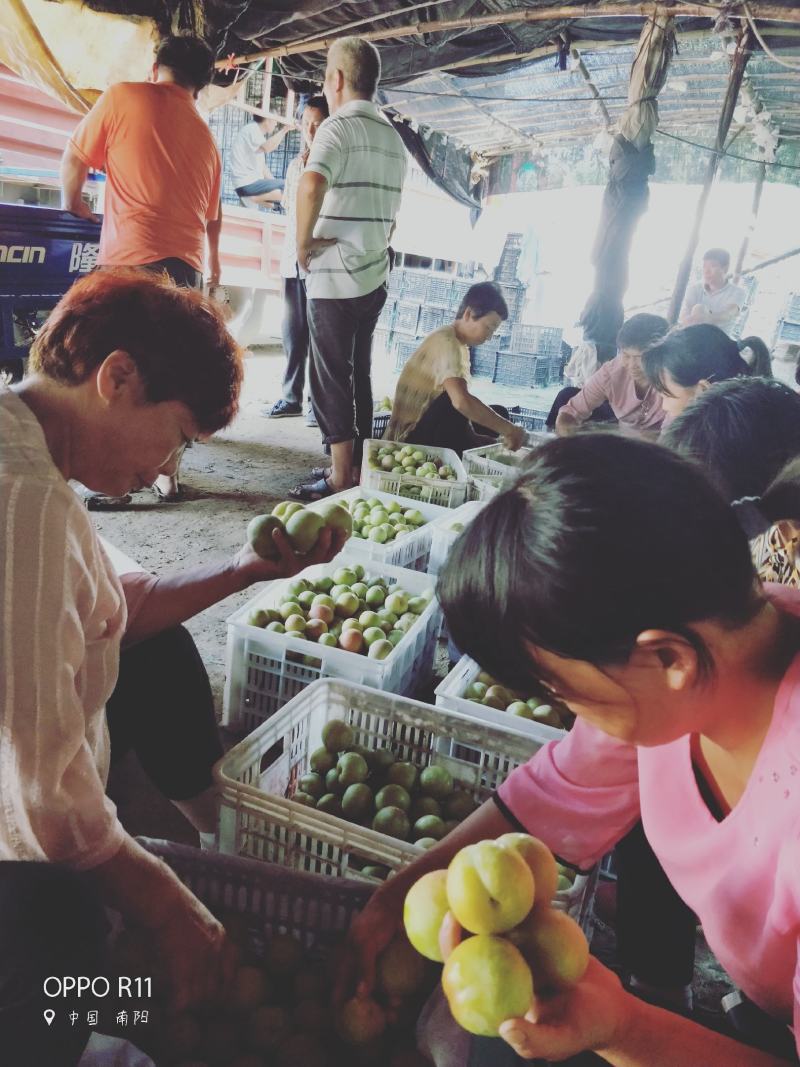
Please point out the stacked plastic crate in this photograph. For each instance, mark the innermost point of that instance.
(789, 326)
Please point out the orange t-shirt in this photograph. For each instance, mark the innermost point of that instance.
(162, 168)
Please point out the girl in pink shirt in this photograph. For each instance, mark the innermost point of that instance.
(614, 575)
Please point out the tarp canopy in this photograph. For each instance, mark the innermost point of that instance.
(492, 76)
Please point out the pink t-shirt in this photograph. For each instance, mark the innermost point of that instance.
(740, 876)
(612, 382)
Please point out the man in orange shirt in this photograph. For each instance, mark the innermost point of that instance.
(163, 174)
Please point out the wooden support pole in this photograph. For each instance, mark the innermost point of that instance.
(592, 87)
(769, 12)
(757, 191)
(738, 64)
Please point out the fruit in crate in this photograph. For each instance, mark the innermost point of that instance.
(371, 787)
(487, 691)
(381, 522)
(410, 460)
(501, 892)
(278, 1009)
(342, 610)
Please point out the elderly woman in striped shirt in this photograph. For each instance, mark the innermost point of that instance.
(125, 374)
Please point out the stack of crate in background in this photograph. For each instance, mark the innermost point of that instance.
(421, 301)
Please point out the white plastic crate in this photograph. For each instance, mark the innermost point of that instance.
(258, 776)
(444, 535)
(409, 550)
(485, 461)
(485, 489)
(447, 494)
(449, 696)
(264, 669)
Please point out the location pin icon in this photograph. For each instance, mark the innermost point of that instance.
(49, 1015)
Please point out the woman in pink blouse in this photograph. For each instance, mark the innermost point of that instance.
(614, 575)
(621, 384)
(126, 372)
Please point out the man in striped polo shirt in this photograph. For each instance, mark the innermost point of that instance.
(347, 202)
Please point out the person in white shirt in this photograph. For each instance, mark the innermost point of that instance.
(252, 178)
(111, 401)
(715, 301)
(295, 317)
(347, 204)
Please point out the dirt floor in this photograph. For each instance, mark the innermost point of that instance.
(239, 473)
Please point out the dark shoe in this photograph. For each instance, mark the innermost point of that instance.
(282, 409)
(312, 491)
(99, 502)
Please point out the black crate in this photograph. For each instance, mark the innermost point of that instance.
(530, 419)
(514, 296)
(520, 370)
(379, 424)
(431, 319)
(439, 291)
(483, 361)
(415, 284)
(406, 316)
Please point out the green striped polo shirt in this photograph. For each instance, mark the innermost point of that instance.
(364, 161)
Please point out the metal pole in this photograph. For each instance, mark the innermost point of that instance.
(757, 191)
(738, 64)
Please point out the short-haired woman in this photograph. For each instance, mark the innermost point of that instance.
(127, 371)
(618, 387)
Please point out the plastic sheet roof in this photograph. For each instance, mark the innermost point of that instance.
(538, 105)
(493, 84)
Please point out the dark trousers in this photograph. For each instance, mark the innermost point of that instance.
(655, 929)
(163, 709)
(182, 273)
(441, 426)
(294, 328)
(341, 362)
(601, 414)
(52, 924)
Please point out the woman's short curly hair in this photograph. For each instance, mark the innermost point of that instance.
(176, 337)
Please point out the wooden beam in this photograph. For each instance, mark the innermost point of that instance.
(768, 12)
(592, 87)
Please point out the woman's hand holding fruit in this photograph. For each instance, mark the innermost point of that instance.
(253, 567)
(590, 1015)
